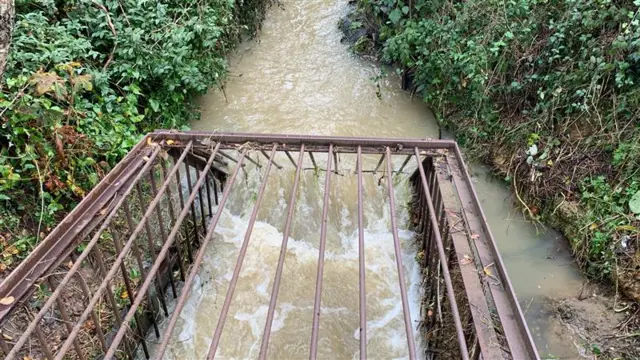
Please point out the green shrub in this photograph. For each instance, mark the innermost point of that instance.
(87, 78)
(549, 87)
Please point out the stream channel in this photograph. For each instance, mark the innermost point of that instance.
(297, 77)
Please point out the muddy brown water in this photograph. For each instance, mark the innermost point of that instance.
(298, 78)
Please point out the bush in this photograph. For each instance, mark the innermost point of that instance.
(547, 90)
(85, 80)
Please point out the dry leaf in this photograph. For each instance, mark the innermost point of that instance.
(148, 141)
(475, 236)
(7, 337)
(145, 158)
(3, 267)
(124, 295)
(487, 271)
(70, 264)
(7, 300)
(27, 357)
(467, 260)
(170, 142)
(103, 211)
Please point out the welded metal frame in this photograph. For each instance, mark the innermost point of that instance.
(190, 233)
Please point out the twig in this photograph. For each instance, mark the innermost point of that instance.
(515, 188)
(113, 30)
(18, 96)
(41, 202)
(527, 309)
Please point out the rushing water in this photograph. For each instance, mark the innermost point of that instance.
(298, 78)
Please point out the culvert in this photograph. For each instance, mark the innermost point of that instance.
(113, 278)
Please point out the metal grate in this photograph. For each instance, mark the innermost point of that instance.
(139, 228)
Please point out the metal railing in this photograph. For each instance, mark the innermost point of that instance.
(122, 298)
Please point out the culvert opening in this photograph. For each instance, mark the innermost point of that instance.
(369, 247)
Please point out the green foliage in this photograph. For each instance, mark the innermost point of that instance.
(86, 79)
(551, 85)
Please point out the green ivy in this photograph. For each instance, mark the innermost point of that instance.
(86, 79)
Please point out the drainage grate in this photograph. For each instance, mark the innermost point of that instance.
(96, 285)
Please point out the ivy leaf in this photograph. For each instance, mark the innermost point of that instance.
(405, 9)
(634, 203)
(82, 82)
(395, 16)
(45, 81)
(154, 105)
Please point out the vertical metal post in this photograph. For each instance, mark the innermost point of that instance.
(172, 217)
(398, 253)
(163, 233)
(43, 342)
(129, 289)
(187, 239)
(193, 208)
(319, 274)
(361, 259)
(236, 271)
(67, 322)
(283, 252)
(153, 250)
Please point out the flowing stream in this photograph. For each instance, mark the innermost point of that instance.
(298, 78)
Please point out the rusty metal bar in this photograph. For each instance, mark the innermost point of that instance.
(202, 216)
(236, 271)
(43, 342)
(94, 316)
(335, 161)
(110, 297)
(163, 235)
(215, 191)
(232, 158)
(375, 171)
(403, 146)
(161, 256)
(464, 352)
(321, 249)
(172, 217)
(3, 344)
(283, 252)
(264, 153)
(361, 260)
(196, 265)
(398, 253)
(25, 335)
(206, 184)
(186, 227)
(193, 206)
(153, 250)
(129, 290)
(67, 322)
(291, 157)
(138, 257)
(313, 160)
(404, 164)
